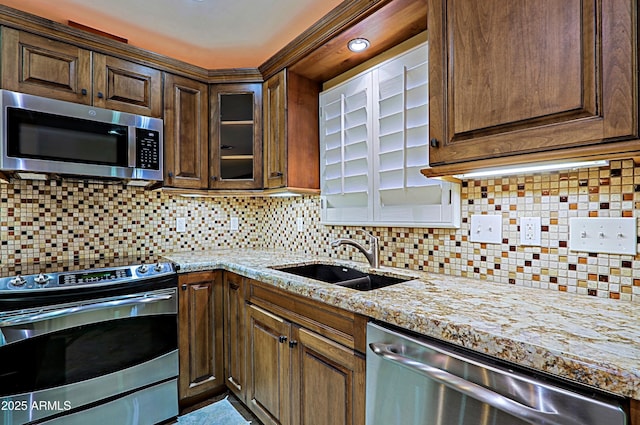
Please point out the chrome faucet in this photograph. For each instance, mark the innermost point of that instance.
(372, 254)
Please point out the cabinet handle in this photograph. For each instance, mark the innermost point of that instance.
(100, 95)
(276, 174)
(214, 178)
(184, 286)
(84, 92)
(282, 339)
(293, 343)
(434, 143)
(170, 174)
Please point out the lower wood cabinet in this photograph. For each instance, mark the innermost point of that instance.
(327, 381)
(200, 334)
(295, 376)
(234, 334)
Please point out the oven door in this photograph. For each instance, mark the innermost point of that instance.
(58, 360)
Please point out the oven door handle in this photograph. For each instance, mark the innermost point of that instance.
(39, 316)
(390, 352)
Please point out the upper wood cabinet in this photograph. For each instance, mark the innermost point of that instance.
(186, 133)
(126, 86)
(291, 149)
(235, 152)
(44, 67)
(511, 78)
(200, 334)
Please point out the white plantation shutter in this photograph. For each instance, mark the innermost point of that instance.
(345, 152)
(396, 95)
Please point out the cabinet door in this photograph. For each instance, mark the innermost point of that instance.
(39, 66)
(268, 372)
(235, 153)
(275, 131)
(186, 132)
(517, 77)
(234, 331)
(126, 86)
(200, 333)
(328, 382)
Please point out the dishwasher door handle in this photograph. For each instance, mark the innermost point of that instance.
(475, 391)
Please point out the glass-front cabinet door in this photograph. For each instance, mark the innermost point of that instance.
(236, 143)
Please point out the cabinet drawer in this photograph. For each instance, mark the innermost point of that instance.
(344, 327)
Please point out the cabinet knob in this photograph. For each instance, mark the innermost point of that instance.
(434, 143)
(170, 174)
(214, 178)
(184, 286)
(293, 343)
(100, 95)
(282, 339)
(84, 92)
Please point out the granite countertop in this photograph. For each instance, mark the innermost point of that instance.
(588, 340)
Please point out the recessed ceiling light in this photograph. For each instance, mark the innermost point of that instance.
(358, 44)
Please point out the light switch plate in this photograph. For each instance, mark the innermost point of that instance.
(530, 231)
(234, 224)
(486, 228)
(603, 235)
(181, 225)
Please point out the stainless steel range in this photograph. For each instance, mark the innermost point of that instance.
(89, 346)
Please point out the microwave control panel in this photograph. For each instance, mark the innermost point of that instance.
(147, 149)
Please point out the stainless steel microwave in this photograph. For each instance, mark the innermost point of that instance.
(47, 136)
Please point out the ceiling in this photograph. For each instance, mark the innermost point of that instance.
(213, 34)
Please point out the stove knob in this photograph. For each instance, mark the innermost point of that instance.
(42, 279)
(158, 267)
(18, 281)
(143, 268)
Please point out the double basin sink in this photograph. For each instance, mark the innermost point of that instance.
(342, 276)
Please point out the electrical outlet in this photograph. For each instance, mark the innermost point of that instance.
(234, 224)
(181, 225)
(300, 224)
(486, 228)
(530, 231)
(603, 235)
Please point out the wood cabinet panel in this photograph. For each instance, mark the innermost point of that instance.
(234, 334)
(186, 132)
(328, 383)
(516, 78)
(635, 412)
(126, 86)
(200, 334)
(43, 67)
(275, 131)
(268, 366)
(291, 141)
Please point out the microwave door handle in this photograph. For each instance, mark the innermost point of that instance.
(133, 146)
(39, 316)
(391, 353)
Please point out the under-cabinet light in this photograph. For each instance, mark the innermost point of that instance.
(32, 176)
(284, 194)
(525, 169)
(358, 44)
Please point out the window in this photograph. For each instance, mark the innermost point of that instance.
(374, 133)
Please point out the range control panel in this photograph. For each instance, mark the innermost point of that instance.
(88, 278)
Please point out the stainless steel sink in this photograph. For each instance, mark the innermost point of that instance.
(342, 276)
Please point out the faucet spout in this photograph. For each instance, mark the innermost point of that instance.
(372, 254)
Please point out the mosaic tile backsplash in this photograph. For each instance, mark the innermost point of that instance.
(47, 222)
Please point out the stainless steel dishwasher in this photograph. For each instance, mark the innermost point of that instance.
(415, 381)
